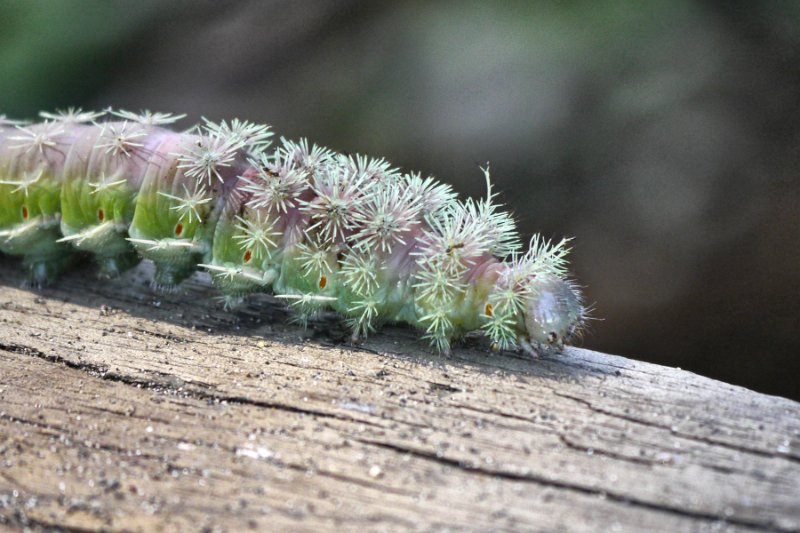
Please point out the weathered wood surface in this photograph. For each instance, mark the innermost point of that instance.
(128, 411)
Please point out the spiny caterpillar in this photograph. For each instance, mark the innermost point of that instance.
(317, 228)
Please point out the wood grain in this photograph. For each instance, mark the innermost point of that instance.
(124, 410)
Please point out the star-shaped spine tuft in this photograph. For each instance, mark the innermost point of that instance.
(188, 206)
(385, 218)
(38, 137)
(121, 139)
(258, 235)
(206, 155)
(254, 138)
(147, 118)
(72, 115)
(339, 193)
(277, 186)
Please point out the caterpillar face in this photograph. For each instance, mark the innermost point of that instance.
(316, 228)
(554, 313)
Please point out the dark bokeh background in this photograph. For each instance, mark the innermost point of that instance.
(662, 135)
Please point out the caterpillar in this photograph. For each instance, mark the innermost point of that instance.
(316, 228)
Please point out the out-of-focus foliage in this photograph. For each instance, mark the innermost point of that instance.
(663, 135)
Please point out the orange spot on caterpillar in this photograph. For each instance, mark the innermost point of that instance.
(323, 281)
(178, 229)
(247, 256)
(101, 215)
(489, 310)
(24, 212)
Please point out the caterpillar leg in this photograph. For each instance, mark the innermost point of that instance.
(106, 241)
(174, 259)
(168, 276)
(113, 266)
(43, 271)
(36, 241)
(230, 302)
(236, 282)
(528, 349)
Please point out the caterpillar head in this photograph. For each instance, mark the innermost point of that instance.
(554, 313)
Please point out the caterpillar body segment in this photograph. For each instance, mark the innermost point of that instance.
(32, 159)
(316, 228)
(102, 178)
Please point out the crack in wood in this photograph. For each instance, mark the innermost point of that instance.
(557, 484)
(186, 389)
(672, 431)
(19, 520)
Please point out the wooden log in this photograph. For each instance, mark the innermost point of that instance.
(125, 410)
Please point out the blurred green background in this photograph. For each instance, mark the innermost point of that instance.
(662, 135)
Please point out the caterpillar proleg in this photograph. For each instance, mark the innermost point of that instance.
(316, 228)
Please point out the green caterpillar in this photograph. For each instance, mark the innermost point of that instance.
(317, 228)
